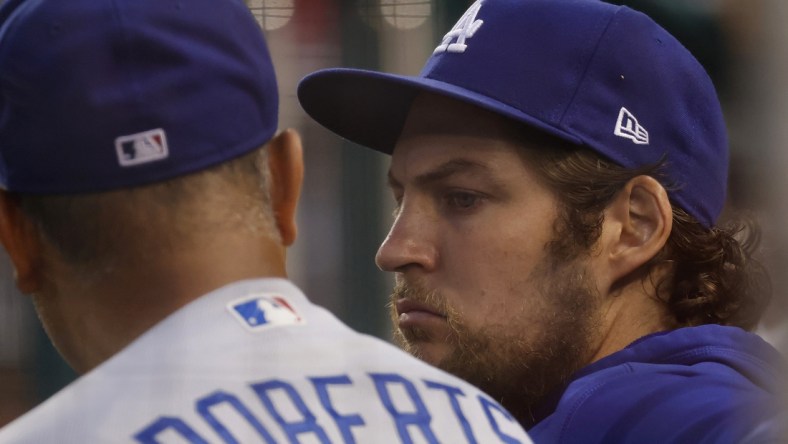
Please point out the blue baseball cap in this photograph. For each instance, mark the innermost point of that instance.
(597, 75)
(104, 94)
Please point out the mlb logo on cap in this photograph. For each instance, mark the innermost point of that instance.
(99, 95)
(262, 311)
(140, 148)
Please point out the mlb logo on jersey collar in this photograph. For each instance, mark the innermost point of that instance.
(261, 311)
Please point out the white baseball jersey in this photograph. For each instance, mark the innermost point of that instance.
(256, 362)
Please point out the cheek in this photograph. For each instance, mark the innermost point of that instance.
(490, 282)
(487, 263)
(494, 289)
(493, 260)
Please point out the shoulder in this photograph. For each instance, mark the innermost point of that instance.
(713, 391)
(390, 398)
(63, 417)
(314, 379)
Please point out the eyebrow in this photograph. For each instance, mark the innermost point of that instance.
(442, 171)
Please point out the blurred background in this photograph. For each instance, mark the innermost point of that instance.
(345, 209)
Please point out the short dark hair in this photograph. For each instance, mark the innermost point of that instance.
(90, 230)
(715, 276)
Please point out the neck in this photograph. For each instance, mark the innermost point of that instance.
(99, 318)
(633, 312)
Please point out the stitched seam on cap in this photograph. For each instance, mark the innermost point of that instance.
(588, 66)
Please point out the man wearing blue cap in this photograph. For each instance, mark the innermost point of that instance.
(150, 228)
(559, 168)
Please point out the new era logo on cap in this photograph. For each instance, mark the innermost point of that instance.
(627, 126)
(144, 147)
(261, 311)
(464, 29)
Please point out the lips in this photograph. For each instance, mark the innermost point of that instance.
(413, 312)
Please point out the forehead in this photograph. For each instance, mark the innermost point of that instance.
(432, 114)
(440, 129)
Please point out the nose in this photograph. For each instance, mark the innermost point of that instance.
(409, 243)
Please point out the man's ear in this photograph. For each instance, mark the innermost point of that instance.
(20, 238)
(637, 225)
(286, 163)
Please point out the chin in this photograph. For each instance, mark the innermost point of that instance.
(433, 353)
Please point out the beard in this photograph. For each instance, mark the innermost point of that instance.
(521, 361)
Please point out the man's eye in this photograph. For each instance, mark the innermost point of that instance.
(462, 200)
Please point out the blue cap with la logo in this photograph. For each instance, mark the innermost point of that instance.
(598, 75)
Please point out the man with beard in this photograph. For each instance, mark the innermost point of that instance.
(559, 168)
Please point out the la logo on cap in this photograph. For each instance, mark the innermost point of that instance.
(464, 29)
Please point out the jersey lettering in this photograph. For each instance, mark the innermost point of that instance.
(308, 423)
(281, 404)
(344, 422)
(453, 393)
(204, 409)
(489, 406)
(149, 434)
(420, 417)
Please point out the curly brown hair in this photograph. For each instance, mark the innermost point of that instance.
(715, 277)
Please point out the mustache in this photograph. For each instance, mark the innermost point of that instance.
(408, 338)
(418, 293)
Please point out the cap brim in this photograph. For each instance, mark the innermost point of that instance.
(370, 108)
